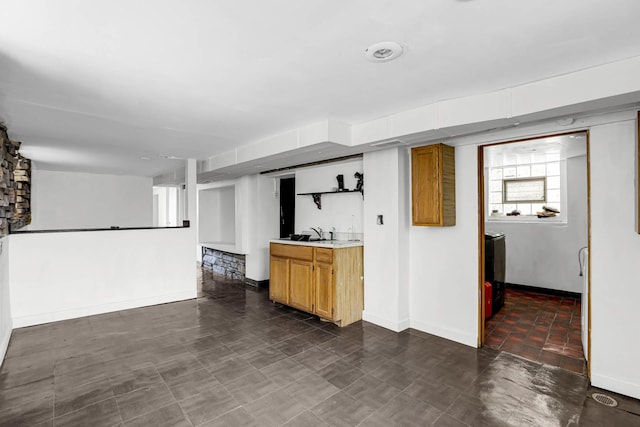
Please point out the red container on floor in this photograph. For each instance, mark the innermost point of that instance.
(487, 300)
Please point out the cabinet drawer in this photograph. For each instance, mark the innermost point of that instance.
(324, 255)
(292, 251)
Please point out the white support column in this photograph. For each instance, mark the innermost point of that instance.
(386, 251)
(191, 194)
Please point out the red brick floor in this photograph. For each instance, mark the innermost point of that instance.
(539, 327)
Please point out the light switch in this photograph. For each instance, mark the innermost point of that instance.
(380, 221)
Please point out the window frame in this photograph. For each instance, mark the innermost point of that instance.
(559, 220)
(506, 182)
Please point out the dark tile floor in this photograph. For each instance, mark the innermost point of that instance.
(539, 327)
(233, 358)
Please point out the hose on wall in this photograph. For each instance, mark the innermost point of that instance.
(582, 259)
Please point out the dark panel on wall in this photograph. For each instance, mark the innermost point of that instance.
(287, 206)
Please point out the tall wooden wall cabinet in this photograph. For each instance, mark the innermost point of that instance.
(433, 185)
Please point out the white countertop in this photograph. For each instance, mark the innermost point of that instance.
(335, 244)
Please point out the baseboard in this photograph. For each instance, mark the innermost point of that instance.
(4, 344)
(257, 283)
(451, 334)
(385, 323)
(615, 385)
(40, 318)
(546, 291)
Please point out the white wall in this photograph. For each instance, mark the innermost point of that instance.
(227, 213)
(386, 260)
(444, 268)
(83, 200)
(546, 254)
(56, 276)
(615, 251)
(217, 215)
(6, 323)
(262, 214)
(156, 207)
(166, 206)
(254, 221)
(208, 223)
(341, 211)
(444, 264)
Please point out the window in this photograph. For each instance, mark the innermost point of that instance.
(524, 190)
(524, 182)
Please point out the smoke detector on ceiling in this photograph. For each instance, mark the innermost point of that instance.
(565, 121)
(170, 157)
(383, 52)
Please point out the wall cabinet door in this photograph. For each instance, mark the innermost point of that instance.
(301, 284)
(433, 185)
(279, 280)
(324, 291)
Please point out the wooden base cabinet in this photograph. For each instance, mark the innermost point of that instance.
(279, 280)
(324, 286)
(323, 281)
(301, 284)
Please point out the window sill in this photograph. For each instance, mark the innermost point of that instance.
(526, 219)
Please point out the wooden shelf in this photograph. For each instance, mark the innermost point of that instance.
(317, 195)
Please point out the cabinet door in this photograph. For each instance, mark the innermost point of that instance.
(301, 284)
(279, 280)
(324, 290)
(433, 185)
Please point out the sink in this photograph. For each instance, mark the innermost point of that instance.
(322, 242)
(300, 237)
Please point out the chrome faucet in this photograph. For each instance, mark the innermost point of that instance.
(318, 232)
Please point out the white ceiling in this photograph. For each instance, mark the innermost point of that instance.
(97, 85)
(561, 147)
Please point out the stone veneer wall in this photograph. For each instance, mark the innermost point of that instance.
(15, 185)
(224, 263)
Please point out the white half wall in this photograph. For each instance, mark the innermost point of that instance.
(386, 258)
(71, 200)
(6, 323)
(444, 264)
(64, 275)
(546, 255)
(615, 251)
(342, 211)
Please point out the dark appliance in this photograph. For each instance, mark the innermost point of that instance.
(494, 267)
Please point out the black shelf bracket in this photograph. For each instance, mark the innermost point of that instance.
(317, 199)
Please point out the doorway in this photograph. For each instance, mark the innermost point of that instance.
(535, 193)
(287, 206)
